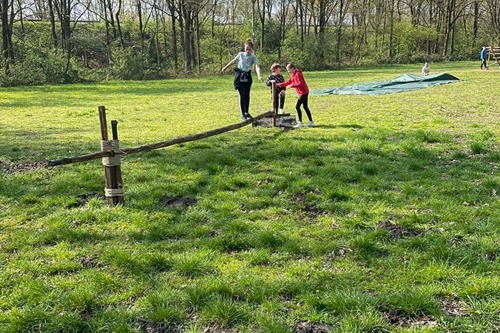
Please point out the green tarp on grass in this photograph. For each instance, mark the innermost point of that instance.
(406, 82)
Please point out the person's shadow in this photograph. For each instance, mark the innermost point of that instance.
(339, 126)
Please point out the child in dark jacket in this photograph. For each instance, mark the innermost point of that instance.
(279, 92)
(298, 82)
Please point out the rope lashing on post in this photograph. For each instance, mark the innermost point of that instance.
(111, 162)
(113, 192)
(112, 146)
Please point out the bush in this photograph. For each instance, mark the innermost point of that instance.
(18, 75)
(128, 64)
(292, 52)
(39, 66)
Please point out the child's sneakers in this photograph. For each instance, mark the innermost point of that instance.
(300, 124)
(280, 111)
(246, 117)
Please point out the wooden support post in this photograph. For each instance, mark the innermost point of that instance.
(274, 99)
(116, 170)
(112, 173)
(275, 102)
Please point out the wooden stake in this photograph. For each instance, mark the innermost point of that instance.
(116, 172)
(113, 186)
(275, 101)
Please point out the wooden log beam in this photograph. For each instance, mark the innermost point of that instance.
(163, 144)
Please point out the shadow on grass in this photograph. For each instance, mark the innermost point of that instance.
(308, 174)
(47, 96)
(355, 126)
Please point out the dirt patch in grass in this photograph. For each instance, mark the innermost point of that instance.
(177, 201)
(341, 252)
(492, 256)
(11, 168)
(401, 318)
(396, 231)
(306, 327)
(86, 313)
(83, 199)
(454, 307)
(308, 208)
(88, 261)
(215, 329)
(161, 327)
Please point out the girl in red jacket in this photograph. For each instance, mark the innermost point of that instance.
(298, 82)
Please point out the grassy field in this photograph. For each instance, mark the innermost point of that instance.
(383, 218)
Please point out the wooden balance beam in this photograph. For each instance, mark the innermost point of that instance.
(163, 144)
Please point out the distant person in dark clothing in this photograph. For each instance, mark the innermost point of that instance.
(277, 78)
(483, 54)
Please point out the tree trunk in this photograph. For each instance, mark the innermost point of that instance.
(6, 36)
(7, 49)
(175, 53)
(262, 19)
(106, 24)
(282, 16)
(301, 22)
(342, 12)
(53, 23)
(118, 25)
(198, 40)
(391, 31)
(141, 25)
(157, 37)
(475, 27)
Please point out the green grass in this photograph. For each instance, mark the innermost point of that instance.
(383, 218)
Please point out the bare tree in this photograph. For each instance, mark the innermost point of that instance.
(493, 8)
(264, 9)
(7, 10)
(282, 16)
(342, 12)
(451, 11)
(300, 20)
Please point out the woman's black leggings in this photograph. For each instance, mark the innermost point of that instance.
(244, 91)
(243, 87)
(303, 101)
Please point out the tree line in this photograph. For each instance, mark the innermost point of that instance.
(56, 41)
